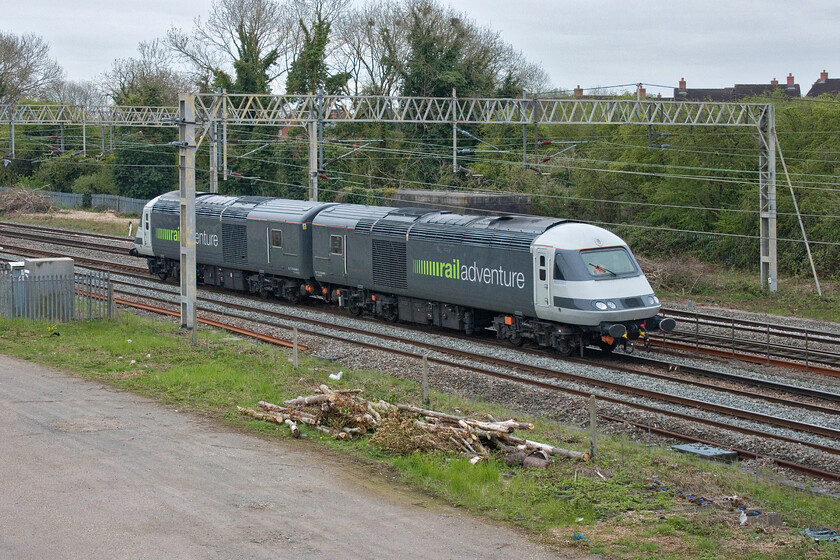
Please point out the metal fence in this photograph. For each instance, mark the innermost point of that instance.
(113, 202)
(116, 203)
(82, 296)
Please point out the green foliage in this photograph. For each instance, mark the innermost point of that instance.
(309, 71)
(251, 67)
(145, 165)
(60, 172)
(100, 182)
(363, 195)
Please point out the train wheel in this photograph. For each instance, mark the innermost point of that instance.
(516, 339)
(355, 309)
(163, 275)
(264, 292)
(565, 348)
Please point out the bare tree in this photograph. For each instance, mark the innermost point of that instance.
(26, 68)
(148, 79)
(87, 94)
(371, 41)
(304, 13)
(235, 31)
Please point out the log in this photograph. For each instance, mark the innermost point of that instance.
(308, 401)
(325, 389)
(383, 406)
(303, 417)
(550, 449)
(293, 426)
(432, 413)
(467, 445)
(377, 419)
(505, 426)
(333, 433)
(265, 416)
(271, 407)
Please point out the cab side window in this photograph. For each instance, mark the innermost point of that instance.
(277, 238)
(336, 245)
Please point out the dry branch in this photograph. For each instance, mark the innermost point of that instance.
(397, 428)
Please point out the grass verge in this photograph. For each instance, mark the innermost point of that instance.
(632, 502)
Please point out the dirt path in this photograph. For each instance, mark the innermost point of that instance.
(91, 472)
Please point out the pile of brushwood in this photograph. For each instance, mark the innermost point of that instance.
(403, 429)
(23, 201)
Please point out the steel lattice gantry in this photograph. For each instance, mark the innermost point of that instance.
(280, 110)
(214, 112)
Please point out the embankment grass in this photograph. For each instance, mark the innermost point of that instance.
(632, 502)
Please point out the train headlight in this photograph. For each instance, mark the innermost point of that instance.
(652, 300)
(600, 305)
(611, 304)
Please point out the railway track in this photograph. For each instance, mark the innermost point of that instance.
(480, 362)
(548, 378)
(731, 338)
(754, 341)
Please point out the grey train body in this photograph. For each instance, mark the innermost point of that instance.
(553, 282)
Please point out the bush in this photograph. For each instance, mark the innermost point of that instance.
(102, 182)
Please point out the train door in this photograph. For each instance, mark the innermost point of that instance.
(145, 233)
(338, 255)
(542, 276)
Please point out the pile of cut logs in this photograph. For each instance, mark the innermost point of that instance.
(343, 413)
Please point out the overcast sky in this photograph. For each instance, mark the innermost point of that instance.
(591, 43)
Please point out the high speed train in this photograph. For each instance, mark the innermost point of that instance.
(552, 282)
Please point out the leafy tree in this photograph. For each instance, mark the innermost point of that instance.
(309, 72)
(145, 164)
(237, 47)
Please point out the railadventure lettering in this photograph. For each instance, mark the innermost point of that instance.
(167, 234)
(454, 270)
(201, 237)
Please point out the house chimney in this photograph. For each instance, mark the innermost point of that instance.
(682, 84)
(823, 76)
(774, 82)
(640, 92)
(790, 80)
(578, 92)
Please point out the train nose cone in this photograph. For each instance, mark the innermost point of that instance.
(667, 324)
(617, 331)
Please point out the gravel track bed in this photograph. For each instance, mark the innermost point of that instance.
(564, 409)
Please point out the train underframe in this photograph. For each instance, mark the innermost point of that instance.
(516, 329)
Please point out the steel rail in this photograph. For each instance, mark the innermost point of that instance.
(556, 374)
(724, 376)
(742, 453)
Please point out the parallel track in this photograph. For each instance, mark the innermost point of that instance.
(551, 375)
